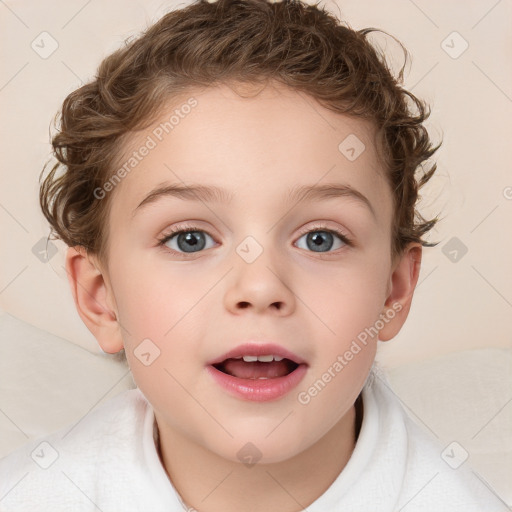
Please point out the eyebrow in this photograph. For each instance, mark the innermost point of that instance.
(211, 193)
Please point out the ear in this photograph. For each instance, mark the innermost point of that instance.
(402, 283)
(94, 299)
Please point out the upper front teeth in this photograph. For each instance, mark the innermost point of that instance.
(263, 359)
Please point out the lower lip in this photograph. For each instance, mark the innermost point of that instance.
(258, 390)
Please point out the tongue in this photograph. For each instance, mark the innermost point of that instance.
(254, 370)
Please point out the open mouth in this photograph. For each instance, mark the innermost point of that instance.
(248, 368)
(270, 374)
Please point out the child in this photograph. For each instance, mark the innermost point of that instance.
(254, 132)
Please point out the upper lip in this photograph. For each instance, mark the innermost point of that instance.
(258, 349)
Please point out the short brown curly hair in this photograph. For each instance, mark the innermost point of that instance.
(233, 41)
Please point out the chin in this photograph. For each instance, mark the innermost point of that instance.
(260, 451)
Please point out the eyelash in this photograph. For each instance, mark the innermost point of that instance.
(321, 227)
(189, 227)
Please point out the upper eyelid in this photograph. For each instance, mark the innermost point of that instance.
(196, 227)
(319, 225)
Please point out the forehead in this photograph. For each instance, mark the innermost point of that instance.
(257, 147)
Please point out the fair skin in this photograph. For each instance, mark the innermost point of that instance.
(197, 305)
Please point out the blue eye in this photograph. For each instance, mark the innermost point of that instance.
(320, 240)
(186, 240)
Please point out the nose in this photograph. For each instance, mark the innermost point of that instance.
(259, 286)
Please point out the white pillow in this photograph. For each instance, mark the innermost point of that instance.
(47, 382)
(465, 397)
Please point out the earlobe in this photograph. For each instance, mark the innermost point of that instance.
(403, 281)
(93, 299)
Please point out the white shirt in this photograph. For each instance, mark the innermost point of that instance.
(109, 461)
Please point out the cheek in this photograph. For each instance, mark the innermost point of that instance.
(346, 340)
(349, 307)
(155, 314)
(346, 300)
(152, 291)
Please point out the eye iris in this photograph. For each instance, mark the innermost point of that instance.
(191, 237)
(318, 241)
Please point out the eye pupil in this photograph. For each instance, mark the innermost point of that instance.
(189, 238)
(316, 239)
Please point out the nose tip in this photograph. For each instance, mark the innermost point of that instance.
(255, 287)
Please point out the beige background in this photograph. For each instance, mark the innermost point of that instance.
(458, 305)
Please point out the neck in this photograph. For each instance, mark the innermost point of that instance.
(210, 483)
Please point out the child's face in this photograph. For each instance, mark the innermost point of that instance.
(195, 306)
